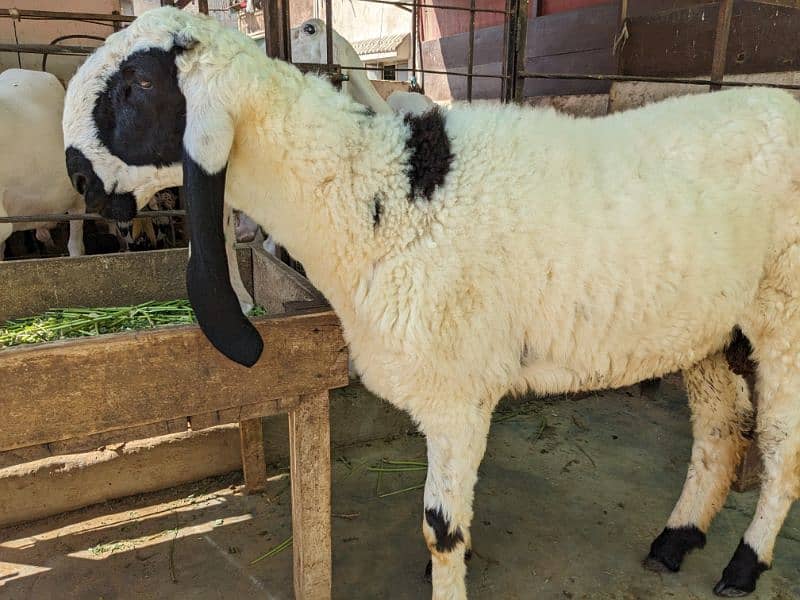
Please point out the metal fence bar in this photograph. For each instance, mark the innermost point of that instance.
(47, 49)
(444, 6)
(721, 37)
(60, 218)
(471, 50)
(328, 31)
(20, 13)
(645, 79)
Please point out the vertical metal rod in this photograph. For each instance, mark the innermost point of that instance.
(509, 42)
(414, 26)
(519, 54)
(721, 44)
(276, 29)
(471, 50)
(329, 31)
(202, 6)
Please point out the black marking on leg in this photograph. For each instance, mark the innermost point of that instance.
(445, 540)
(430, 156)
(377, 210)
(738, 354)
(671, 546)
(740, 576)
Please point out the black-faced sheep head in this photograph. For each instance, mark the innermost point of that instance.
(137, 119)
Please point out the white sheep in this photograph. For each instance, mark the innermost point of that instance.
(309, 46)
(626, 247)
(33, 179)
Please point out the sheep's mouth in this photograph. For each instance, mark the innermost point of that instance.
(120, 206)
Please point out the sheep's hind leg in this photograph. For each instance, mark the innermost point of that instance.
(75, 245)
(456, 444)
(778, 426)
(722, 419)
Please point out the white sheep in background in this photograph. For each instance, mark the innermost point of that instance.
(309, 46)
(33, 179)
(626, 247)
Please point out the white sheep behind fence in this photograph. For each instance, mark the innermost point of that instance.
(33, 177)
(625, 248)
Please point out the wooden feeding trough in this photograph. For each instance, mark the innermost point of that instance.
(74, 388)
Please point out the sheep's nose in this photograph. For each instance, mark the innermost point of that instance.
(80, 182)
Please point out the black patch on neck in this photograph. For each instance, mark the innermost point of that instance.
(141, 114)
(669, 549)
(445, 541)
(377, 210)
(740, 576)
(738, 354)
(430, 156)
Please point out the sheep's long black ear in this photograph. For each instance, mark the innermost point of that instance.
(207, 277)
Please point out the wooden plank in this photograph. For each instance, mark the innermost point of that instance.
(36, 285)
(254, 464)
(763, 38)
(275, 284)
(310, 460)
(90, 385)
(59, 484)
(721, 38)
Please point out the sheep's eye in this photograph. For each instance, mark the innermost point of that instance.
(309, 29)
(145, 84)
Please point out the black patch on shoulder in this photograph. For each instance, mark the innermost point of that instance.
(671, 546)
(430, 157)
(740, 576)
(445, 541)
(377, 210)
(141, 114)
(738, 354)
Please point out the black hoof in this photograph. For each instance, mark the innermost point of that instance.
(428, 577)
(740, 576)
(671, 546)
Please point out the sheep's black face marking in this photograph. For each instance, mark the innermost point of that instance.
(671, 546)
(430, 157)
(141, 115)
(445, 541)
(121, 207)
(741, 574)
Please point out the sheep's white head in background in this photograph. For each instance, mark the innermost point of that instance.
(143, 114)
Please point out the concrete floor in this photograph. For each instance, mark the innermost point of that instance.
(571, 494)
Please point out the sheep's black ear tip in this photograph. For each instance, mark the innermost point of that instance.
(247, 353)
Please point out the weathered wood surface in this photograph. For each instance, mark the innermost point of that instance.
(58, 484)
(310, 457)
(85, 386)
(254, 464)
(275, 284)
(763, 38)
(33, 286)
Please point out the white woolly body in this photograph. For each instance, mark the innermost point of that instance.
(623, 246)
(33, 177)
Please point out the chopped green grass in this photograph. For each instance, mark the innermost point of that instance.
(64, 323)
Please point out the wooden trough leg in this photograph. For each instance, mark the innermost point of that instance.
(310, 459)
(254, 464)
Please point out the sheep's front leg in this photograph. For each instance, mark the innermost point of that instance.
(229, 223)
(75, 243)
(456, 442)
(722, 419)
